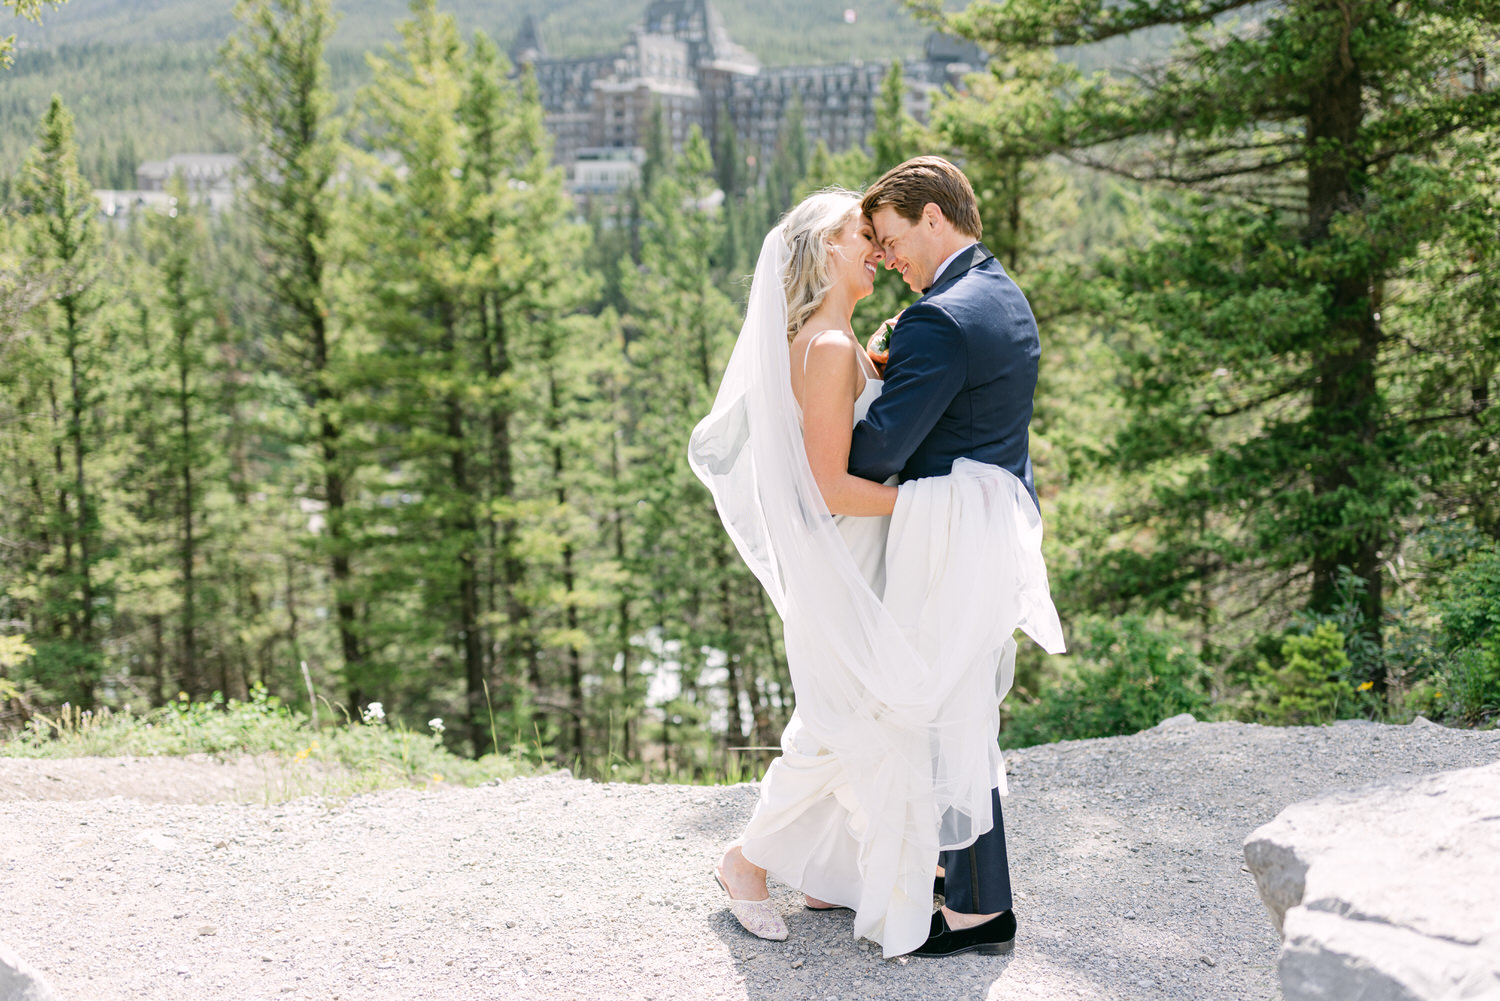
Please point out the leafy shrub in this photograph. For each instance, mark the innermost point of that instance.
(1311, 684)
(1128, 677)
(1467, 686)
(1363, 651)
(14, 651)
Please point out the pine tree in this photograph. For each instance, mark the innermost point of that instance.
(789, 161)
(895, 139)
(173, 419)
(1314, 147)
(680, 327)
(276, 79)
(425, 290)
(470, 298)
(65, 376)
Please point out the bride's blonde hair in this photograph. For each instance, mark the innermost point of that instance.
(809, 229)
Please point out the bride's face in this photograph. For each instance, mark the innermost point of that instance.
(856, 257)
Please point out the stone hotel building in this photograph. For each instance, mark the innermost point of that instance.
(681, 59)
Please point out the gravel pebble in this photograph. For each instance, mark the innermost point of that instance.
(551, 888)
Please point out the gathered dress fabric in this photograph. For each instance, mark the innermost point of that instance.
(899, 638)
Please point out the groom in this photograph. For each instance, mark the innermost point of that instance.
(958, 383)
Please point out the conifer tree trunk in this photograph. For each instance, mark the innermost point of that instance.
(86, 522)
(518, 650)
(622, 602)
(1345, 399)
(183, 320)
(466, 527)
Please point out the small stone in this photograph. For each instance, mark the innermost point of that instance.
(221, 844)
(1130, 915)
(1208, 961)
(266, 957)
(208, 930)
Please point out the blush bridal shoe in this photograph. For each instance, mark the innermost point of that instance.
(757, 917)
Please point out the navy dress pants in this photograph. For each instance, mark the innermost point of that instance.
(976, 879)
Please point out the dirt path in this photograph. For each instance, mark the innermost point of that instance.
(1125, 852)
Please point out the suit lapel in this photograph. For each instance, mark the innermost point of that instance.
(960, 266)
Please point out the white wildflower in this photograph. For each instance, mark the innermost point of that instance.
(436, 723)
(374, 713)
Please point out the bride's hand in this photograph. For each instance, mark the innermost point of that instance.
(880, 341)
(878, 347)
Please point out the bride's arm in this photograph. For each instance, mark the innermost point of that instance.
(829, 388)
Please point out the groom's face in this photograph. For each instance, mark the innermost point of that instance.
(910, 247)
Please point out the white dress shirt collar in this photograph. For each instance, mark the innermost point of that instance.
(944, 266)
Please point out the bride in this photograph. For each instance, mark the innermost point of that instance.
(898, 604)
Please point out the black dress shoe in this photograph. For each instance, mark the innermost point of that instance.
(995, 937)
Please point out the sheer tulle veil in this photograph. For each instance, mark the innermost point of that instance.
(903, 687)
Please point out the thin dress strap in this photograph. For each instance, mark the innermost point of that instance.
(866, 367)
(810, 342)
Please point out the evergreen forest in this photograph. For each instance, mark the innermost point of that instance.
(405, 427)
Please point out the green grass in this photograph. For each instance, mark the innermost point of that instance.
(333, 761)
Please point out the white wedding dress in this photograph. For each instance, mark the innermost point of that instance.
(899, 639)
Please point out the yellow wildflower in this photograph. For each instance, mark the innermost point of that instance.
(1367, 686)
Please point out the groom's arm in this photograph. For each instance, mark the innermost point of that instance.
(923, 375)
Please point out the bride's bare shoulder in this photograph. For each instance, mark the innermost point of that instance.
(828, 343)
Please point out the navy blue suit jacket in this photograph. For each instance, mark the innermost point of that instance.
(959, 380)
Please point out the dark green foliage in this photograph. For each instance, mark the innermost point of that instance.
(60, 579)
(897, 135)
(1466, 688)
(1128, 676)
(681, 324)
(1310, 683)
(402, 428)
(1307, 343)
(275, 78)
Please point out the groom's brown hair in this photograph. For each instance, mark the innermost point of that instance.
(908, 188)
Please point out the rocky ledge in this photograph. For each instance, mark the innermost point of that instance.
(1387, 893)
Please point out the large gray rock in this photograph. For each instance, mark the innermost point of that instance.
(19, 982)
(1390, 893)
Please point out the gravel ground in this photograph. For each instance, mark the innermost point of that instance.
(1125, 853)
